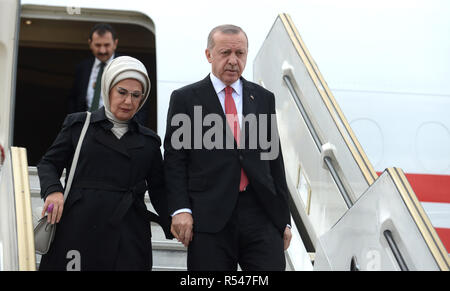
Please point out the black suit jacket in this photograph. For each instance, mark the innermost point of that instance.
(77, 96)
(207, 180)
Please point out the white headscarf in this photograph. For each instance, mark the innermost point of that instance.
(119, 69)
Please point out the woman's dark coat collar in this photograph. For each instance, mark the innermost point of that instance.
(100, 116)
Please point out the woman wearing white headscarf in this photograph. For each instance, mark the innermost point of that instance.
(104, 217)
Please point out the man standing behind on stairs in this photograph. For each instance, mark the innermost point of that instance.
(228, 205)
(85, 93)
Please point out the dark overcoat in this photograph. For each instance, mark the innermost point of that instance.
(105, 218)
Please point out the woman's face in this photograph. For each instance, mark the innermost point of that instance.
(125, 98)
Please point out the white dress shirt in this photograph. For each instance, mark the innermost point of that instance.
(92, 79)
(219, 87)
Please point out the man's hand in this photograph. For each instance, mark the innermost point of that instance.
(287, 237)
(181, 228)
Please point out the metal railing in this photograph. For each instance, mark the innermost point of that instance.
(327, 160)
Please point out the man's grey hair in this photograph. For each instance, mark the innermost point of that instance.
(227, 29)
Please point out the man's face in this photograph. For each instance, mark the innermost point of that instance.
(103, 46)
(228, 56)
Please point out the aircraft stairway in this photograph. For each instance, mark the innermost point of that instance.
(345, 214)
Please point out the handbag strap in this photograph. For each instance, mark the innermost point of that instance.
(76, 155)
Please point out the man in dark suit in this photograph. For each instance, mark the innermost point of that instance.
(85, 94)
(229, 204)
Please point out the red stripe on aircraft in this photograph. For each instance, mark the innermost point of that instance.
(433, 188)
(430, 188)
(444, 235)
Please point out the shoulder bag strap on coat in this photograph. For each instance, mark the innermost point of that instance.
(76, 155)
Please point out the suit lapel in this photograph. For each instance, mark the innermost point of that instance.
(249, 106)
(87, 74)
(211, 105)
(209, 98)
(249, 100)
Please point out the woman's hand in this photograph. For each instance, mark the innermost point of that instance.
(54, 215)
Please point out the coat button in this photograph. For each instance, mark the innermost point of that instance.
(241, 158)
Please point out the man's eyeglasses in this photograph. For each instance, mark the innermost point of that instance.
(124, 93)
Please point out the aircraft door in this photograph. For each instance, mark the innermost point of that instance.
(16, 232)
(9, 23)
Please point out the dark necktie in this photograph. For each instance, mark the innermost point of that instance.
(97, 90)
(233, 122)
